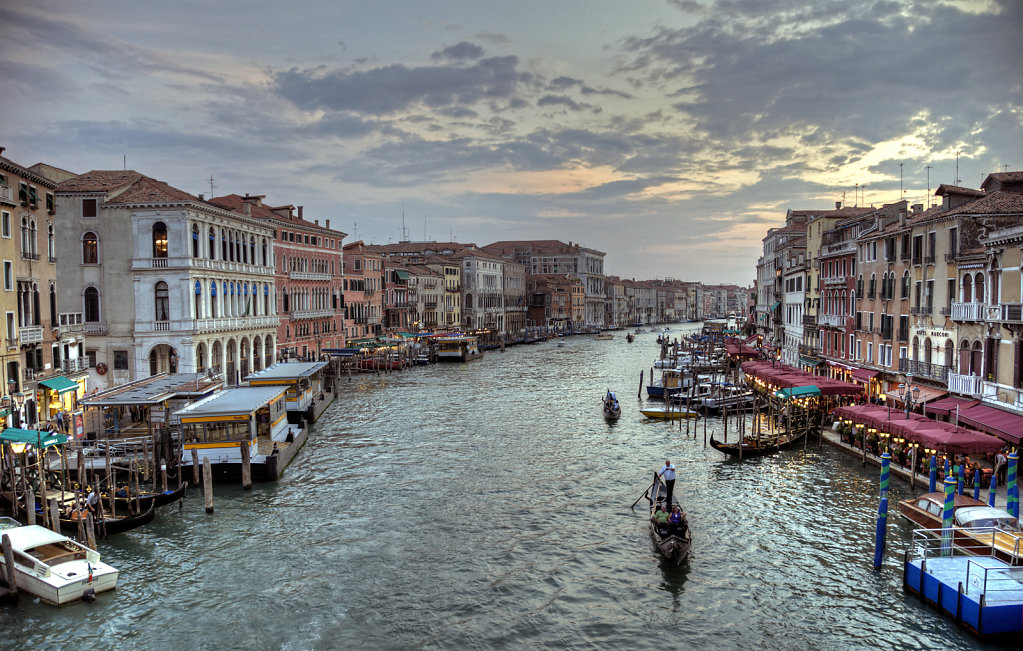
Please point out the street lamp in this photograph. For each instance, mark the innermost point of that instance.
(909, 394)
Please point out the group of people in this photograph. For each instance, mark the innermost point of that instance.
(667, 516)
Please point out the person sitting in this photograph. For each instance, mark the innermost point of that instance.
(677, 521)
(661, 520)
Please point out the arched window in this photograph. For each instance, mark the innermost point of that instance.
(996, 275)
(968, 288)
(230, 246)
(200, 358)
(159, 240)
(51, 244)
(213, 299)
(964, 357)
(172, 360)
(264, 252)
(252, 249)
(927, 350)
(239, 244)
(198, 299)
(32, 238)
(53, 305)
(90, 248)
(978, 283)
(90, 304)
(195, 240)
(916, 349)
(212, 253)
(976, 358)
(153, 362)
(949, 353)
(223, 245)
(162, 305)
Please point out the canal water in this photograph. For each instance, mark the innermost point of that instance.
(487, 505)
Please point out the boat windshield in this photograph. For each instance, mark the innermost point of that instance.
(985, 516)
(8, 523)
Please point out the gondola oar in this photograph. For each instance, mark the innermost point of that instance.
(645, 494)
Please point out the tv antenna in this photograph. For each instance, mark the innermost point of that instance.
(211, 186)
(928, 167)
(404, 231)
(958, 180)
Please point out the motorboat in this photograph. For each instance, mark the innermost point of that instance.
(669, 413)
(978, 529)
(54, 567)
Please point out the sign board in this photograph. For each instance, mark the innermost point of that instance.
(78, 423)
(158, 415)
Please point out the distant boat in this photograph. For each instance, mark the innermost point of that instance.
(668, 413)
(610, 406)
(604, 336)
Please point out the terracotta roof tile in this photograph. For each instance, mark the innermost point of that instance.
(944, 189)
(995, 203)
(99, 181)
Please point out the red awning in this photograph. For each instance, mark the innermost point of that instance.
(944, 437)
(926, 394)
(865, 374)
(947, 406)
(1004, 425)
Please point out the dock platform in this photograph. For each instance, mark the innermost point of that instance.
(982, 593)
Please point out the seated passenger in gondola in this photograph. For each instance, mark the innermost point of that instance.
(677, 521)
(660, 519)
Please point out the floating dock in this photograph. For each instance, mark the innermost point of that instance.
(982, 593)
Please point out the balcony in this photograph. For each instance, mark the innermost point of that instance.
(967, 311)
(809, 320)
(832, 320)
(951, 257)
(234, 323)
(30, 335)
(969, 385)
(52, 258)
(832, 281)
(929, 259)
(809, 351)
(308, 275)
(161, 326)
(74, 365)
(27, 255)
(298, 315)
(1000, 393)
(925, 369)
(886, 333)
(95, 327)
(70, 323)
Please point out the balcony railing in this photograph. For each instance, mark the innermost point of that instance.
(925, 369)
(236, 323)
(27, 255)
(809, 351)
(311, 314)
(965, 384)
(30, 335)
(834, 280)
(1007, 395)
(929, 259)
(74, 365)
(809, 320)
(308, 275)
(967, 311)
(833, 320)
(886, 333)
(95, 327)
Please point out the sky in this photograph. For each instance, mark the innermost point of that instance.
(669, 134)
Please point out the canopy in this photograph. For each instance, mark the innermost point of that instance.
(798, 392)
(920, 429)
(59, 383)
(865, 374)
(924, 395)
(787, 377)
(32, 437)
(994, 421)
(947, 406)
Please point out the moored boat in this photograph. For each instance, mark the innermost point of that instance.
(670, 412)
(673, 542)
(978, 529)
(53, 567)
(604, 336)
(756, 447)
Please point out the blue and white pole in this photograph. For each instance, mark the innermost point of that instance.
(976, 484)
(946, 516)
(1012, 485)
(991, 491)
(880, 533)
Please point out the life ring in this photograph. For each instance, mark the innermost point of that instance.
(101, 368)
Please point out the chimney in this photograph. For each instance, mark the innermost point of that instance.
(902, 216)
(328, 223)
(838, 205)
(300, 212)
(918, 208)
(316, 221)
(202, 198)
(247, 207)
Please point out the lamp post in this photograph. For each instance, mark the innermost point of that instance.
(907, 394)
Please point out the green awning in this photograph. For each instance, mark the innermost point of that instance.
(32, 437)
(775, 306)
(806, 361)
(797, 392)
(401, 274)
(60, 384)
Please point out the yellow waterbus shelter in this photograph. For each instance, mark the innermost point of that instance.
(304, 381)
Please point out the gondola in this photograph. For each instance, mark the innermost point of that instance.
(752, 447)
(610, 406)
(113, 524)
(161, 499)
(674, 545)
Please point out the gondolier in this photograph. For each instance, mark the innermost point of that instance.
(668, 473)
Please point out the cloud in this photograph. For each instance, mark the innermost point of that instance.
(392, 88)
(463, 51)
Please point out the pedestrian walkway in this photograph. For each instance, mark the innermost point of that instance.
(834, 439)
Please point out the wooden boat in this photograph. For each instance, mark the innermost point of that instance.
(726, 395)
(756, 447)
(669, 413)
(161, 499)
(604, 336)
(673, 545)
(53, 567)
(979, 529)
(112, 524)
(610, 406)
(670, 383)
(630, 337)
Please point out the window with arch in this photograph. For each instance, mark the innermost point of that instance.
(212, 253)
(90, 248)
(51, 243)
(198, 299)
(967, 289)
(153, 362)
(904, 294)
(53, 304)
(978, 287)
(25, 248)
(213, 299)
(252, 249)
(264, 252)
(195, 241)
(162, 301)
(223, 245)
(90, 304)
(159, 240)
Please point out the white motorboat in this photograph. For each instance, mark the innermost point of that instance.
(727, 395)
(53, 567)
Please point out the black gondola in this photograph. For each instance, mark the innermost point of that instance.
(113, 524)
(752, 447)
(674, 543)
(144, 498)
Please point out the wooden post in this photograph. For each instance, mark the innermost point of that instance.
(912, 469)
(102, 517)
(111, 485)
(30, 507)
(81, 468)
(163, 477)
(195, 467)
(145, 459)
(12, 581)
(639, 394)
(90, 532)
(54, 515)
(207, 484)
(246, 465)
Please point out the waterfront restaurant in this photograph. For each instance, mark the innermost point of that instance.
(304, 381)
(220, 425)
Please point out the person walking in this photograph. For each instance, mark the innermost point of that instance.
(668, 473)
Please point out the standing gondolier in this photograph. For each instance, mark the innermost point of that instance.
(668, 473)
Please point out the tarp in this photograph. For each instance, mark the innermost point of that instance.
(865, 374)
(787, 377)
(60, 384)
(1002, 424)
(32, 437)
(798, 392)
(947, 406)
(925, 395)
(931, 434)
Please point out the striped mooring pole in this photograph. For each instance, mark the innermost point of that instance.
(991, 491)
(1012, 487)
(932, 484)
(976, 484)
(880, 534)
(946, 516)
